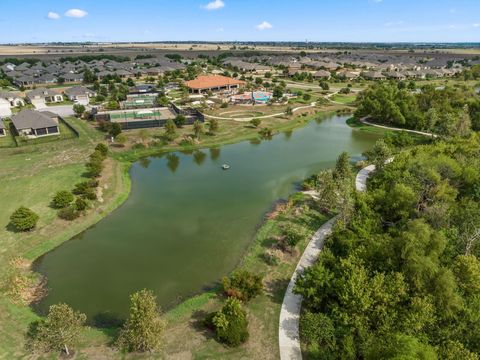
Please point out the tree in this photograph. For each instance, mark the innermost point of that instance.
(170, 130)
(231, 324)
(62, 199)
(289, 111)
(59, 331)
(324, 85)
(144, 327)
(293, 234)
(179, 121)
(78, 109)
(343, 170)
(213, 126)
(318, 329)
(23, 219)
(88, 76)
(95, 168)
(197, 128)
(143, 135)
(255, 122)
(258, 81)
(379, 154)
(277, 92)
(307, 97)
(115, 129)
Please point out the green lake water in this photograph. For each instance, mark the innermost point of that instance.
(187, 222)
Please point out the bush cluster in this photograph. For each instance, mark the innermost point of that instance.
(243, 285)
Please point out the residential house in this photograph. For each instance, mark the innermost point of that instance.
(322, 74)
(13, 99)
(43, 95)
(32, 124)
(80, 94)
(373, 75)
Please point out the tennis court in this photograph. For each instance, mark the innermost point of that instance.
(142, 114)
(140, 101)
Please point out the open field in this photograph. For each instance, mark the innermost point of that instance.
(30, 176)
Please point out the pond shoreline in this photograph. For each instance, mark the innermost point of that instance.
(33, 255)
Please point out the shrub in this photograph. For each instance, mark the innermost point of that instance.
(102, 149)
(224, 105)
(62, 199)
(81, 204)
(23, 219)
(255, 122)
(68, 213)
(243, 285)
(86, 189)
(94, 168)
(231, 324)
(266, 133)
(293, 234)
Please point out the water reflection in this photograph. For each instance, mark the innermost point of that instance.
(214, 153)
(173, 161)
(199, 157)
(144, 162)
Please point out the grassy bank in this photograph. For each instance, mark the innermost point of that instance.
(32, 174)
(185, 334)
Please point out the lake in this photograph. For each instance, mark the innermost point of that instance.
(187, 222)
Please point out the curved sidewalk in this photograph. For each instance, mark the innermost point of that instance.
(288, 328)
(259, 117)
(363, 120)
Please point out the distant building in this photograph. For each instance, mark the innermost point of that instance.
(205, 83)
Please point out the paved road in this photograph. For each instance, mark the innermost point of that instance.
(288, 328)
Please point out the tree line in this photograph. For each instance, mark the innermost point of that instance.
(400, 277)
(444, 110)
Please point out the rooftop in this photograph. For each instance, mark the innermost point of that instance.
(212, 81)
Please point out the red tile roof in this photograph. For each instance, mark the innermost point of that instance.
(212, 81)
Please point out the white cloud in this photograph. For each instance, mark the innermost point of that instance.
(220, 29)
(53, 15)
(264, 26)
(476, 25)
(76, 13)
(377, 1)
(214, 5)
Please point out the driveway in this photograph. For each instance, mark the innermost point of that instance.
(61, 110)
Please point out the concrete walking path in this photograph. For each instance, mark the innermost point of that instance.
(288, 327)
(288, 334)
(398, 129)
(258, 117)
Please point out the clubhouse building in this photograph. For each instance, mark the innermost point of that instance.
(214, 83)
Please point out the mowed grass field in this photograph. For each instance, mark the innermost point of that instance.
(30, 175)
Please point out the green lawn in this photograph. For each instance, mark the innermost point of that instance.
(344, 98)
(66, 133)
(30, 176)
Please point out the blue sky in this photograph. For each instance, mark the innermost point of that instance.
(229, 20)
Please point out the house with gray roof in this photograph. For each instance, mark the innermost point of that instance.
(14, 99)
(322, 74)
(47, 95)
(80, 94)
(32, 124)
